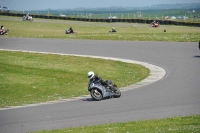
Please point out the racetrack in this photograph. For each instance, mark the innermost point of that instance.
(176, 94)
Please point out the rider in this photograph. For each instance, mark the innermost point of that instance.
(27, 15)
(157, 24)
(154, 23)
(2, 30)
(95, 78)
(113, 30)
(71, 30)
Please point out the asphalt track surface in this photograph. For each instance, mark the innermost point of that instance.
(177, 94)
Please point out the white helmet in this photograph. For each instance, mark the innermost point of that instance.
(90, 74)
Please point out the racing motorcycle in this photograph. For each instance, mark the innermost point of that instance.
(99, 92)
(154, 24)
(5, 32)
(29, 18)
(68, 32)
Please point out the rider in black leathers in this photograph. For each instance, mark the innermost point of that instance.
(71, 30)
(3, 31)
(96, 79)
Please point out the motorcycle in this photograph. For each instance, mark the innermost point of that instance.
(154, 24)
(98, 91)
(29, 18)
(68, 32)
(5, 32)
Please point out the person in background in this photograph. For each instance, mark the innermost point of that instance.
(27, 16)
(2, 30)
(154, 23)
(113, 29)
(71, 30)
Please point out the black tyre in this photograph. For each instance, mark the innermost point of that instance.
(117, 93)
(96, 94)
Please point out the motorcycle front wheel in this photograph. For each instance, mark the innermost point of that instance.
(96, 94)
(117, 93)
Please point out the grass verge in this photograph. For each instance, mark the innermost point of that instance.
(28, 78)
(189, 124)
(41, 28)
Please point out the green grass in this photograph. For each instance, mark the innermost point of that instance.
(189, 124)
(41, 28)
(28, 78)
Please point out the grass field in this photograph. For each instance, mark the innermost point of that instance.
(189, 124)
(41, 28)
(28, 78)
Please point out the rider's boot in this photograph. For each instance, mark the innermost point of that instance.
(112, 88)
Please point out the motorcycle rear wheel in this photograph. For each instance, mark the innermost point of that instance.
(96, 94)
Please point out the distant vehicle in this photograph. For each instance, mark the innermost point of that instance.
(4, 9)
(3, 31)
(112, 17)
(179, 17)
(173, 17)
(154, 24)
(29, 18)
(185, 17)
(182, 17)
(166, 17)
(61, 15)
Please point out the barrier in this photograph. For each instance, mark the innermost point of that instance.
(162, 22)
(134, 20)
(143, 21)
(120, 20)
(148, 21)
(166, 22)
(198, 24)
(138, 20)
(172, 22)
